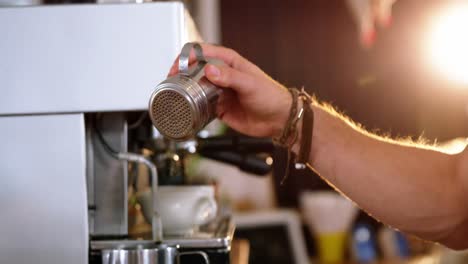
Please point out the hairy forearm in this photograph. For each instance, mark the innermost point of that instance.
(412, 187)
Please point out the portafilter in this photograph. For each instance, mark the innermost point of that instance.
(184, 103)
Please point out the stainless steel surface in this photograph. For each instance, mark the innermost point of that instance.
(173, 114)
(185, 56)
(109, 177)
(183, 104)
(141, 252)
(122, 244)
(156, 222)
(87, 57)
(43, 196)
(165, 255)
(217, 234)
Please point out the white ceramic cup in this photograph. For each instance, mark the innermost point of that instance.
(182, 208)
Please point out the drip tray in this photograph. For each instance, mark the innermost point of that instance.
(216, 234)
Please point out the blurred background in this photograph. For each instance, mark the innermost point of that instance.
(410, 81)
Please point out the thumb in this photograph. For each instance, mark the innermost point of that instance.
(227, 77)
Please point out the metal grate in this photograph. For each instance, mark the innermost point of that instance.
(172, 114)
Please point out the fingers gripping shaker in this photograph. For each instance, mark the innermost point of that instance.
(184, 103)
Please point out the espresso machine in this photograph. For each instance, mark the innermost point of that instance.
(72, 77)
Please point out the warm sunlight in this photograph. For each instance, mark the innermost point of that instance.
(448, 43)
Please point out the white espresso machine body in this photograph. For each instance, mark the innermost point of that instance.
(86, 58)
(57, 64)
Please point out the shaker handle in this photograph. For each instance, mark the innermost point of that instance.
(185, 56)
(201, 253)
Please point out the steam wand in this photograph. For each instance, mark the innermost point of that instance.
(156, 223)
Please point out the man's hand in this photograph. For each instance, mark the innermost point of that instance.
(253, 103)
(416, 188)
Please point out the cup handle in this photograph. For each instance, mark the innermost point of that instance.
(205, 210)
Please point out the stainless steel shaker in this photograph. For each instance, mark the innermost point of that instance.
(183, 104)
